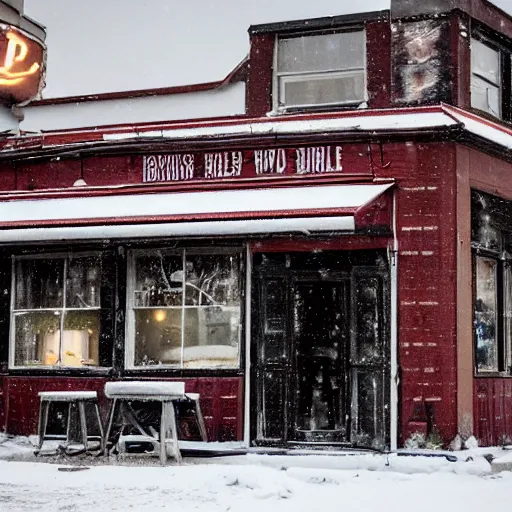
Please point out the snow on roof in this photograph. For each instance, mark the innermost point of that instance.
(483, 128)
(360, 121)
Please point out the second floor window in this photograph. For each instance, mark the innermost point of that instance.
(320, 70)
(486, 78)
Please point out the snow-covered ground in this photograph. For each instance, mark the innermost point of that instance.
(255, 482)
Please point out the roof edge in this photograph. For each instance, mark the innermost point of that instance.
(325, 22)
(238, 74)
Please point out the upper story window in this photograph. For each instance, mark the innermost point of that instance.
(56, 311)
(320, 70)
(486, 78)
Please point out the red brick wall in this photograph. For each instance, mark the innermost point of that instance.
(426, 232)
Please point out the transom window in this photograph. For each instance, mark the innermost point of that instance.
(320, 70)
(55, 311)
(492, 271)
(184, 309)
(486, 78)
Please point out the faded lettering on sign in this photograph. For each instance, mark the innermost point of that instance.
(250, 162)
(270, 161)
(168, 168)
(223, 165)
(319, 159)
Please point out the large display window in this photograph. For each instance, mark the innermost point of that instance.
(184, 309)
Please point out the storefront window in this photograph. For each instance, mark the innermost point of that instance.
(56, 311)
(491, 228)
(486, 315)
(184, 309)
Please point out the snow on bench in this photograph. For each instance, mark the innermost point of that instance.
(67, 396)
(145, 389)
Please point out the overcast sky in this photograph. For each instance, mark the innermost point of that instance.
(112, 45)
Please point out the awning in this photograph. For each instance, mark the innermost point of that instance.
(303, 209)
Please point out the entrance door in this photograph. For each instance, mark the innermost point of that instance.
(320, 328)
(321, 356)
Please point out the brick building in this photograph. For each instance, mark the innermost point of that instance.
(329, 266)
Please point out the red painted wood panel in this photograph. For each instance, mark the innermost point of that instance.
(259, 80)
(378, 58)
(493, 410)
(53, 174)
(221, 401)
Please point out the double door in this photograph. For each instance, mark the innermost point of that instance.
(321, 356)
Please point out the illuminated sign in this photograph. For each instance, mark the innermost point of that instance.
(17, 51)
(21, 65)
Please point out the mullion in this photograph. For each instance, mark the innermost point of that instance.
(37, 310)
(506, 87)
(183, 298)
(333, 71)
(490, 82)
(63, 311)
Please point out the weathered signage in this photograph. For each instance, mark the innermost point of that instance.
(21, 65)
(421, 70)
(251, 163)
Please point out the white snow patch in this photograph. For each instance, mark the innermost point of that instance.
(144, 388)
(363, 482)
(211, 487)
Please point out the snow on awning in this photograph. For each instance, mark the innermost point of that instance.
(304, 209)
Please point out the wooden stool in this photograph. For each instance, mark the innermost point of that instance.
(167, 393)
(76, 399)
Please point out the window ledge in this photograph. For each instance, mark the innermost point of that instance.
(283, 111)
(492, 375)
(51, 371)
(189, 372)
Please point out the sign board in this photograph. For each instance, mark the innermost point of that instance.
(316, 160)
(22, 62)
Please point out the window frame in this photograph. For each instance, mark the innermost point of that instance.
(278, 84)
(65, 257)
(504, 49)
(129, 327)
(502, 255)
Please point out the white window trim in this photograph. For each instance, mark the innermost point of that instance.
(129, 348)
(12, 330)
(277, 84)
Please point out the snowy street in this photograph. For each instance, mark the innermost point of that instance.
(415, 484)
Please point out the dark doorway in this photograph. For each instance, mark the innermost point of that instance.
(321, 358)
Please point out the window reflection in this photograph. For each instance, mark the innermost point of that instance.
(186, 309)
(56, 314)
(486, 314)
